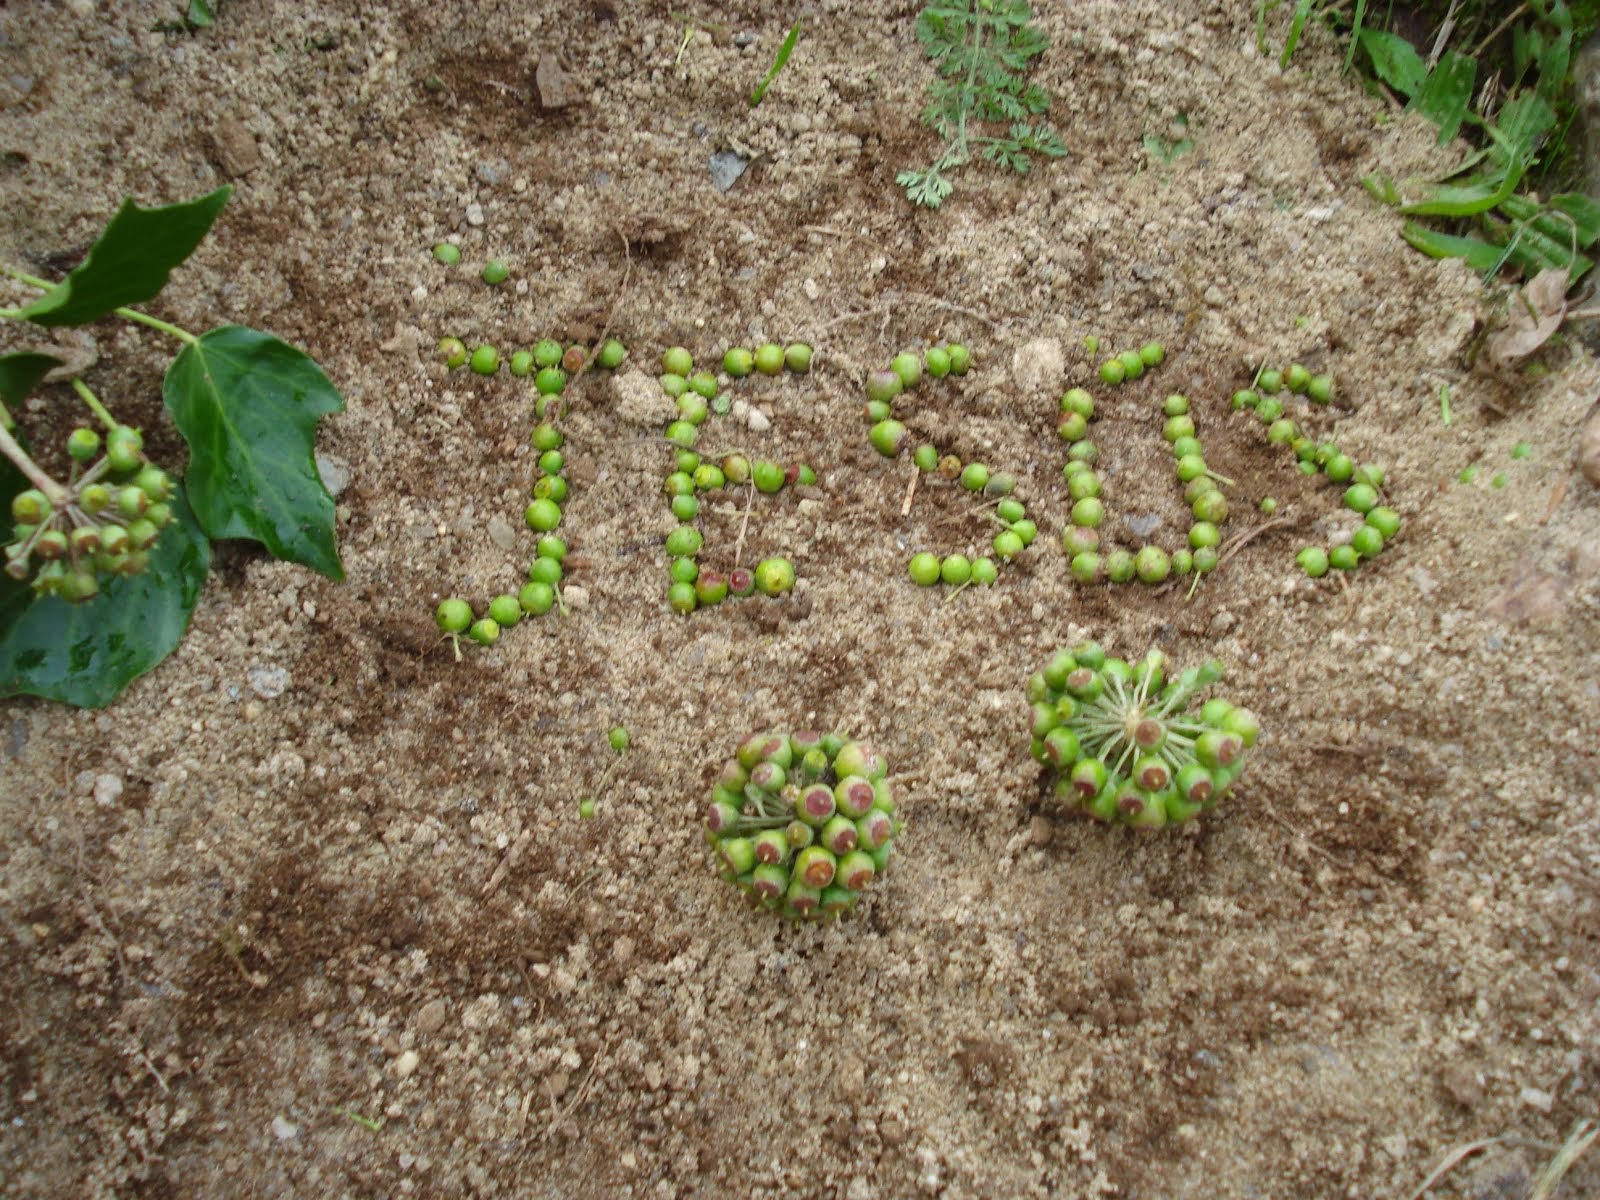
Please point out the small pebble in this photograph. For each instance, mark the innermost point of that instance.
(107, 790)
(268, 682)
(283, 1129)
(406, 1065)
(758, 421)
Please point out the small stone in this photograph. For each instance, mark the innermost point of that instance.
(1537, 1098)
(268, 682)
(1146, 525)
(726, 167)
(1222, 624)
(1463, 1083)
(107, 790)
(575, 596)
(406, 1065)
(474, 213)
(501, 533)
(17, 737)
(283, 1129)
(335, 472)
(234, 147)
(556, 88)
(430, 1017)
(1041, 831)
(1037, 367)
(758, 421)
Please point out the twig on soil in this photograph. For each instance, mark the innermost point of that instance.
(1238, 542)
(744, 525)
(1300, 836)
(1466, 1151)
(911, 491)
(1583, 1136)
(513, 852)
(1557, 495)
(144, 1057)
(582, 1093)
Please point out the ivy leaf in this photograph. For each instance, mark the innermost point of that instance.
(85, 654)
(21, 372)
(248, 404)
(130, 261)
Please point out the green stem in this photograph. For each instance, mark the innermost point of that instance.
(53, 491)
(89, 398)
(127, 314)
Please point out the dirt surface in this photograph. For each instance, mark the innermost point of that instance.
(310, 911)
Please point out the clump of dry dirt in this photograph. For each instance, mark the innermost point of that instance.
(352, 939)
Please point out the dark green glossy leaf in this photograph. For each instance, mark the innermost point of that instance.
(130, 261)
(248, 404)
(20, 373)
(85, 654)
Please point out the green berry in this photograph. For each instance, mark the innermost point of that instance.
(1344, 558)
(1203, 534)
(738, 362)
(1269, 381)
(884, 386)
(547, 353)
(684, 542)
(960, 358)
(1132, 364)
(1182, 562)
(1212, 506)
(611, 354)
(1175, 405)
(1297, 379)
(674, 385)
(536, 598)
(550, 381)
(1313, 561)
(1007, 545)
(1086, 567)
(30, 507)
(924, 569)
(704, 385)
(586, 809)
(909, 367)
(1282, 431)
(775, 576)
(485, 631)
(926, 457)
(685, 507)
(1339, 468)
(1078, 539)
(1088, 512)
(1026, 530)
(684, 570)
(768, 477)
(1245, 398)
(1360, 497)
(546, 437)
(1180, 426)
(618, 739)
(887, 437)
(1385, 520)
(83, 444)
(1521, 450)
(495, 272)
(984, 572)
(710, 587)
(447, 253)
(1151, 564)
(544, 570)
(1072, 426)
(1320, 389)
(1083, 485)
(974, 477)
(682, 434)
(551, 462)
(955, 569)
(677, 361)
(769, 358)
(1269, 409)
(1076, 400)
(543, 515)
(1152, 354)
(1112, 371)
(453, 615)
(797, 357)
(681, 598)
(937, 362)
(505, 611)
(124, 449)
(550, 487)
(1268, 506)
(1368, 542)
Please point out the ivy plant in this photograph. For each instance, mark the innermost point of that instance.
(103, 566)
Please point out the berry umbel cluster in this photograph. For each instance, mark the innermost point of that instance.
(802, 822)
(1124, 743)
(102, 521)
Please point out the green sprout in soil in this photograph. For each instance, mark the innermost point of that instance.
(1124, 742)
(983, 50)
(802, 822)
(115, 550)
(784, 51)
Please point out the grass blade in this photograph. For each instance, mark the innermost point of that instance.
(777, 64)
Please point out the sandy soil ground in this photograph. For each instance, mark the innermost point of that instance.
(311, 912)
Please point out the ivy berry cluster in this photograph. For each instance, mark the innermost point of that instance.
(889, 436)
(1124, 742)
(802, 822)
(698, 395)
(102, 521)
(1363, 485)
